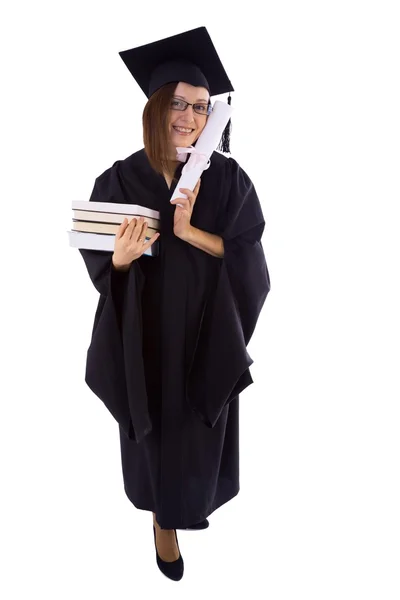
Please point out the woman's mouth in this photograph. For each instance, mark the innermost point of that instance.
(183, 130)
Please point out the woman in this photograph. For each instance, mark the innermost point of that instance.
(168, 352)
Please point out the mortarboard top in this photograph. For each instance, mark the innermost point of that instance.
(189, 57)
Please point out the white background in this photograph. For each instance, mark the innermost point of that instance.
(316, 126)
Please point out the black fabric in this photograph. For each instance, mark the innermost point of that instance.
(190, 57)
(177, 70)
(168, 352)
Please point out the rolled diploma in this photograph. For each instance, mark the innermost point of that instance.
(206, 144)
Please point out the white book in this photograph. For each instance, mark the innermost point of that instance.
(100, 241)
(107, 217)
(114, 207)
(109, 228)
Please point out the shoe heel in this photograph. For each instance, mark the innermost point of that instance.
(172, 570)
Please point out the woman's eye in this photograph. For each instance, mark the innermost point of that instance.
(201, 107)
(176, 103)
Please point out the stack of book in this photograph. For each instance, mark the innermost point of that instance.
(95, 224)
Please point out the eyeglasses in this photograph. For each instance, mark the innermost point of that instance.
(199, 107)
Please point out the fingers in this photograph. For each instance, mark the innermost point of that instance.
(190, 199)
(151, 241)
(135, 228)
(131, 242)
(126, 228)
(183, 202)
(187, 193)
(122, 228)
(191, 195)
(139, 233)
(131, 227)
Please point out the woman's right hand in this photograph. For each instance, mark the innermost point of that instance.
(130, 242)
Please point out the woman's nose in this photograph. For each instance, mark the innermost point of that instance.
(189, 112)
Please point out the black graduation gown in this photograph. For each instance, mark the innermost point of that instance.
(168, 352)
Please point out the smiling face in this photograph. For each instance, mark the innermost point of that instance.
(186, 126)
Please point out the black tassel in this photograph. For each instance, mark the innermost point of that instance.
(224, 144)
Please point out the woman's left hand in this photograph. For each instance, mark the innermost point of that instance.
(183, 213)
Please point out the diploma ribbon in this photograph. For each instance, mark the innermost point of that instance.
(198, 159)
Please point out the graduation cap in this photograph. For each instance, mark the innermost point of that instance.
(189, 57)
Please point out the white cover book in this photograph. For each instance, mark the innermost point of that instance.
(107, 217)
(100, 241)
(114, 207)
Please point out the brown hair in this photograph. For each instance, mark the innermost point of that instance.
(155, 129)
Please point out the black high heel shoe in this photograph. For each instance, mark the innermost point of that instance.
(173, 570)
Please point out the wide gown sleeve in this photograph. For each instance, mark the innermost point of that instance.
(114, 367)
(220, 367)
